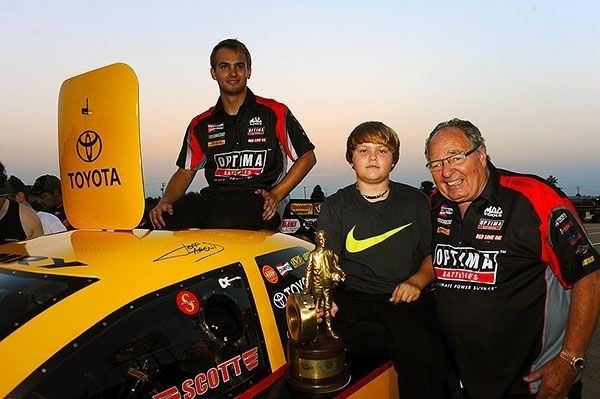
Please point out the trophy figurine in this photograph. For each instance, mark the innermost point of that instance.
(316, 356)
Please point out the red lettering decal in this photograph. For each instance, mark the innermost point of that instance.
(250, 358)
(171, 393)
(200, 382)
(187, 387)
(225, 371)
(212, 376)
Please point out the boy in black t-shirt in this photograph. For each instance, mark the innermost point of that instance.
(381, 231)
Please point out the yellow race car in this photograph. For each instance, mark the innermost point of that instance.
(110, 311)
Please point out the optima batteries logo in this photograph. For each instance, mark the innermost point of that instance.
(465, 264)
(240, 163)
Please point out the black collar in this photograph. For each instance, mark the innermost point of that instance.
(249, 101)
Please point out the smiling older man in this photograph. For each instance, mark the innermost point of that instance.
(517, 279)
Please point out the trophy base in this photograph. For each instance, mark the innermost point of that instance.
(317, 368)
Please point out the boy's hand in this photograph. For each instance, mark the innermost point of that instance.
(321, 312)
(405, 292)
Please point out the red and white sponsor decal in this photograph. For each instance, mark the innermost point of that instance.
(256, 131)
(213, 377)
(270, 274)
(490, 224)
(289, 226)
(187, 303)
(240, 163)
(258, 140)
(465, 264)
(215, 127)
(488, 237)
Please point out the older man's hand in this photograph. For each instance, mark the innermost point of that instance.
(557, 378)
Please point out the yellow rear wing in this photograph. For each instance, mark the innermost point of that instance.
(99, 149)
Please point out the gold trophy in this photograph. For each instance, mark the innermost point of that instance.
(316, 356)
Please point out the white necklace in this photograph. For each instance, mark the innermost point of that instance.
(373, 197)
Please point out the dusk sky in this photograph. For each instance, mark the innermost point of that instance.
(526, 73)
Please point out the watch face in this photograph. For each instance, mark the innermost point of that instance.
(578, 363)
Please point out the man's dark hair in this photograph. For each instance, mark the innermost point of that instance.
(231, 44)
(18, 186)
(469, 129)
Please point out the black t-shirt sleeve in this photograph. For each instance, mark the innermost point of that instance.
(576, 254)
(330, 221)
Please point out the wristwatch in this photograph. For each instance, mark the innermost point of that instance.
(578, 363)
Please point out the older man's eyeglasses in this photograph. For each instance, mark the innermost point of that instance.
(453, 160)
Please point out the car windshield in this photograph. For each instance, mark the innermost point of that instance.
(24, 295)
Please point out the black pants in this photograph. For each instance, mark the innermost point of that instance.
(406, 333)
(240, 209)
(574, 393)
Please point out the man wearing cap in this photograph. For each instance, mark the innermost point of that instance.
(47, 189)
(50, 223)
(243, 144)
(17, 222)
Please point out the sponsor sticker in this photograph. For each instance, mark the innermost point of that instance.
(270, 274)
(240, 163)
(446, 211)
(465, 264)
(214, 127)
(289, 226)
(215, 143)
(560, 219)
(187, 303)
(213, 377)
(493, 211)
(490, 224)
(258, 140)
(488, 237)
(297, 260)
(216, 135)
(301, 209)
(446, 222)
(317, 208)
(284, 269)
(280, 298)
(256, 121)
(443, 230)
(582, 249)
(587, 261)
(256, 131)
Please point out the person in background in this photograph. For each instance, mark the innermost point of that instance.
(50, 223)
(517, 278)
(381, 232)
(17, 222)
(243, 144)
(47, 188)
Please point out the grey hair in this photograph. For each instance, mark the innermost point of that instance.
(469, 129)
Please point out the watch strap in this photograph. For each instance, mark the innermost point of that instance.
(577, 362)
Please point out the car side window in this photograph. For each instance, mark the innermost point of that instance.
(198, 337)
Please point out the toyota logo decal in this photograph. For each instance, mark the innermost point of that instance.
(89, 146)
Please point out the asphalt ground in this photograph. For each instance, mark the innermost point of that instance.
(591, 374)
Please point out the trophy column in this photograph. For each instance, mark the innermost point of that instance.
(316, 356)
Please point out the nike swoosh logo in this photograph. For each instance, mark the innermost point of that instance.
(353, 245)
